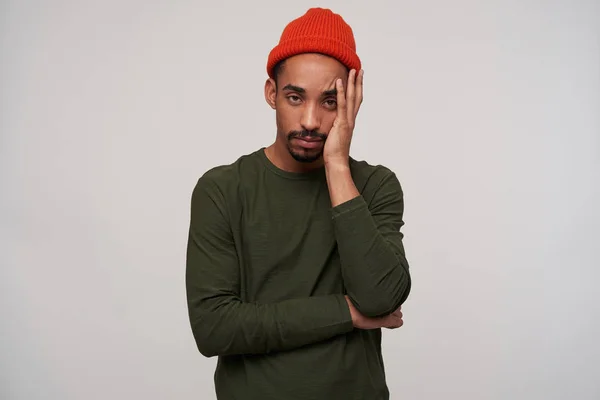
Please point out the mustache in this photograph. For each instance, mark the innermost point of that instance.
(306, 133)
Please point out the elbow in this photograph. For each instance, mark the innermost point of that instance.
(214, 328)
(207, 350)
(375, 307)
(208, 333)
(207, 345)
(382, 299)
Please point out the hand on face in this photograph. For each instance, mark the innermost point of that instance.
(337, 146)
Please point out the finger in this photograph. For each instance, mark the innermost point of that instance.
(341, 100)
(398, 322)
(395, 324)
(350, 94)
(359, 92)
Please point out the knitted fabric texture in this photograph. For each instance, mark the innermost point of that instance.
(321, 31)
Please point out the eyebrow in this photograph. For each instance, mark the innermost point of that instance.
(330, 92)
(294, 88)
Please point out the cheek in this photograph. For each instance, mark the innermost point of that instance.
(327, 122)
(283, 126)
(286, 118)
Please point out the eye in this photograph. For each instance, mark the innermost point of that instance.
(294, 99)
(330, 103)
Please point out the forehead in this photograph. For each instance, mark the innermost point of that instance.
(311, 71)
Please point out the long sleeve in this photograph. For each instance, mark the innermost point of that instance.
(374, 266)
(222, 324)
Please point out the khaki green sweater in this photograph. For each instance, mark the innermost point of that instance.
(268, 263)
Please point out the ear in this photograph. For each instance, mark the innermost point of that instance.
(271, 92)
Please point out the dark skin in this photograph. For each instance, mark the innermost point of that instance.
(316, 100)
(305, 100)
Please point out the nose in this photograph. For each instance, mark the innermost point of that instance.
(310, 118)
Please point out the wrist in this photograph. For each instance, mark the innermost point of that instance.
(340, 183)
(337, 162)
(337, 166)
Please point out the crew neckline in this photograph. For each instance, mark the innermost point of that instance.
(315, 174)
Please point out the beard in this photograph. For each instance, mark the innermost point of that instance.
(305, 156)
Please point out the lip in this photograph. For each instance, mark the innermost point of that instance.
(309, 143)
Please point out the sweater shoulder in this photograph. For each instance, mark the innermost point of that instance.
(222, 183)
(226, 176)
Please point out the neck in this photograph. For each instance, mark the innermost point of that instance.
(280, 156)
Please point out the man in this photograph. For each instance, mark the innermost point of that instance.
(295, 258)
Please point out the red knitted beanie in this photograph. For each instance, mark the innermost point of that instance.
(317, 31)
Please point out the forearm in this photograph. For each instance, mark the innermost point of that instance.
(374, 266)
(229, 326)
(376, 276)
(340, 183)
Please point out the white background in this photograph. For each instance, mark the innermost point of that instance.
(488, 111)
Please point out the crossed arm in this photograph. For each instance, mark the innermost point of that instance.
(374, 270)
(374, 266)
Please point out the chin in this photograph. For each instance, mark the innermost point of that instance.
(304, 156)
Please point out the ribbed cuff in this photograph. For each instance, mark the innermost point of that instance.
(349, 206)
